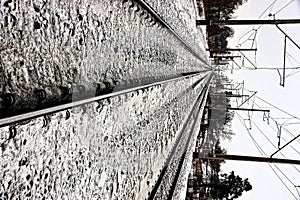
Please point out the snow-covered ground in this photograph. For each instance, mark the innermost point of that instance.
(111, 149)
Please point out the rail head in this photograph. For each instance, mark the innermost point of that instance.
(156, 16)
(45, 111)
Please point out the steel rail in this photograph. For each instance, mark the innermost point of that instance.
(155, 15)
(38, 113)
(171, 155)
(178, 172)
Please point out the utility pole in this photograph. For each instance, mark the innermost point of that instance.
(227, 57)
(253, 159)
(229, 49)
(239, 109)
(236, 95)
(247, 109)
(247, 22)
(222, 63)
(229, 94)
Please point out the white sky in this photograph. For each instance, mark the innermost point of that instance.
(269, 42)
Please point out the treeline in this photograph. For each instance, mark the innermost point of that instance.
(216, 10)
(207, 180)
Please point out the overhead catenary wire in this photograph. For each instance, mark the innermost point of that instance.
(277, 122)
(284, 7)
(271, 141)
(252, 138)
(280, 153)
(278, 171)
(292, 148)
(290, 133)
(249, 60)
(283, 182)
(275, 131)
(278, 108)
(282, 137)
(264, 154)
(289, 56)
(269, 7)
(244, 34)
(255, 29)
(274, 145)
(276, 68)
(265, 136)
(293, 58)
(286, 141)
(254, 32)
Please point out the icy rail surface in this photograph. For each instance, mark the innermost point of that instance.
(111, 149)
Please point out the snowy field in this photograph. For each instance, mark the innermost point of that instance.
(113, 148)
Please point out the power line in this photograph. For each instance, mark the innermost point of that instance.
(293, 58)
(244, 34)
(262, 152)
(272, 4)
(284, 175)
(283, 182)
(278, 108)
(298, 140)
(271, 141)
(265, 136)
(292, 148)
(275, 145)
(254, 38)
(273, 68)
(283, 7)
(281, 137)
(249, 37)
(276, 121)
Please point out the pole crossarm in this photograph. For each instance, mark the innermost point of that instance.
(247, 99)
(253, 159)
(229, 57)
(247, 109)
(237, 95)
(284, 145)
(288, 37)
(228, 49)
(247, 22)
(240, 109)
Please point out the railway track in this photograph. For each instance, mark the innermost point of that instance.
(12, 115)
(171, 161)
(157, 17)
(124, 56)
(17, 100)
(165, 185)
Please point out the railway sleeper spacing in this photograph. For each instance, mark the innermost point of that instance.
(81, 96)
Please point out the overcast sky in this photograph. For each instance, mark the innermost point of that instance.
(270, 44)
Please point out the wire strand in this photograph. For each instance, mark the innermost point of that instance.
(298, 140)
(275, 145)
(264, 154)
(283, 182)
(278, 108)
(272, 4)
(284, 7)
(281, 137)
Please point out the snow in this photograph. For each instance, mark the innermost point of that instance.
(111, 149)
